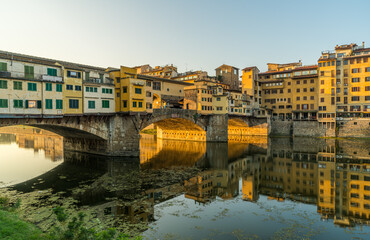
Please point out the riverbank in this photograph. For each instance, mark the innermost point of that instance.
(12, 227)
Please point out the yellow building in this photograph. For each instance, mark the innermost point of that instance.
(192, 76)
(206, 97)
(344, 77)
(168, 71)
(304, 93)
(129, 90)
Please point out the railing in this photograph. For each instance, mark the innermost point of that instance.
(34, 76)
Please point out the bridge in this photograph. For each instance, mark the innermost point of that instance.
(119, 134)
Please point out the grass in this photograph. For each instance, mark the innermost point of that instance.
(13, 228)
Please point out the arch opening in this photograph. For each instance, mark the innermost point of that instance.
(241, 131)
(176, 129)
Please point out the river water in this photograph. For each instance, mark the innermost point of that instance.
(249, 188)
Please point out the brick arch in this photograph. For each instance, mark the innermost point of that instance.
(184, 119)
(72, 127)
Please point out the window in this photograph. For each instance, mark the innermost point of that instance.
(32, 87)
(367, 69)
(107, 90)
(69, 87)
(78, 88)
(28, 72)
(3, 67)
(91, 104)
(355, 98)
(138, 90)
(3, 103)
(218, 99)
(18, 103)
(73, 74)
(149, 84)
(59, 104)
(17, 85)
(105, 103)
(134, 104)
(3, 84)
(48, 87)
(73, 103)
(355, 89)
(124, 89)
(367, 79)
(156, 86)
(52, 72)
(322, 99)
(125, 104)
(140, 104)
(355, 80)
(48, 103)
(59, 87)
(87, 76)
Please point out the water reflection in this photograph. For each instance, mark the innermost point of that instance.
(330, 174)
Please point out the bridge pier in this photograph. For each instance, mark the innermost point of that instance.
(217, 128)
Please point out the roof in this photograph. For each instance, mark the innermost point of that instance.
(151, 78)
(286, 64)
(249, 68)
(273, 72)
(224, 65)
(46, 61)
(305, 68)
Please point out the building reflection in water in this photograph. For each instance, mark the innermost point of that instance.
(34, 138)
(332, 174)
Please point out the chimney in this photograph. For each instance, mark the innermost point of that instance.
(363, 44)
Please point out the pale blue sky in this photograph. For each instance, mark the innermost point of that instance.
(191, 34)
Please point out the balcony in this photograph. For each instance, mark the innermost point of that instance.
(51, 78)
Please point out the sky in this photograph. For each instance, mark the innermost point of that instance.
(191, 34)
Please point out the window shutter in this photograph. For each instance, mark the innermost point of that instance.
(39, 104)
(26, 104)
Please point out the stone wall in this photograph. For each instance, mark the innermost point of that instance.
(354, 127)
(217, 128)
(281, 128)
(308, 129)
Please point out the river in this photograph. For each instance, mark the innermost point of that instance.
(249, 188)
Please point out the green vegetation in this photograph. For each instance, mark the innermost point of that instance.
(150, 131)
(66, 228)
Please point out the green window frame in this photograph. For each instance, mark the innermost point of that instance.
(3, 103)
(95, 89)
(59, 104)
(48, 104)
(74, 103)
(134, 104)
(18, 103)
(105, 103)
(48, 87)
(17, 85)
(59, 88)
(32, 86)
(3, 84)
(91, 104)
(140, 104)
(138, 90)
(29, 72)
(87, 76)
(52, 72)
(3, 67)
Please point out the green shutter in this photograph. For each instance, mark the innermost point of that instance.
(39, 104)
(48, 87)
(59, 88)
(87, 76)
(3, 103)
(3, 84)
(29, 72)
(3, 67)
(59, 104)
(26, 104)
(48, 103)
